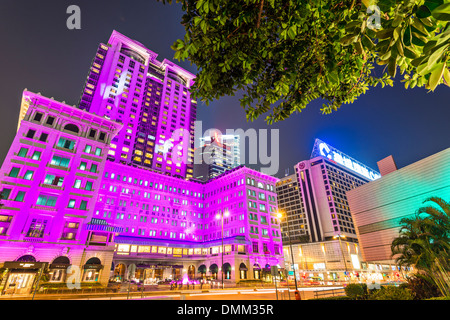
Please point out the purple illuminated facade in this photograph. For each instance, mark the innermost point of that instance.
(50, 180)
(128, 85)
(101, 186)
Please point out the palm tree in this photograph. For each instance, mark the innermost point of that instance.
(424, 242)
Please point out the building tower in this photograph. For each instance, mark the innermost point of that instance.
(127, 84)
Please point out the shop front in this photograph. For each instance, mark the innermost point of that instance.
(20, 277)
(58, 269)
(91, 270)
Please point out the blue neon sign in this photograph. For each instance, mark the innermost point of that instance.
(327, 151)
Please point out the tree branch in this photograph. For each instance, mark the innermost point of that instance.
(261, 5)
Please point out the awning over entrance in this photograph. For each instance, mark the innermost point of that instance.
(24, 265)
(243, 267)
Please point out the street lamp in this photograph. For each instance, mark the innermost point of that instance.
(339, 236)
(279, 215)
(220, 216)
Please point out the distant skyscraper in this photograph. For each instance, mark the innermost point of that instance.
(151, 98)
(216, 154)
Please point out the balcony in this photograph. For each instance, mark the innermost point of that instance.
(51, 186)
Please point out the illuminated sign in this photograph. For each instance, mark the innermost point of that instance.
(327, 151)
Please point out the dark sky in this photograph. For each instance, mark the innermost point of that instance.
(39, 53)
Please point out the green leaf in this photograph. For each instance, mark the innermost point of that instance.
(407, 36)
(400, 48)
(433, 4)
(348, 39)
(436, 76)
(392, 67)
(438, 54)
(418, 39)
(423, 12)
(447, 76)
(409, 53)
(442, 12)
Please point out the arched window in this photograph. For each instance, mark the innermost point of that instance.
(93, 260)
(72, 128)
(61, 260)
(26, 258)
(243, 271)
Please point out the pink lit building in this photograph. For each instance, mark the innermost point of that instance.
(127, 84)
(170, 224)
(101, 187)
(49, 181)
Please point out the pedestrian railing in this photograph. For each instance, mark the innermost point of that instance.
(329, 293)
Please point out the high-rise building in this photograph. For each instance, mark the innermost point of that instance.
(73, 196)
(315, 196)
(126, 83)
(216, 154)
(316, 214)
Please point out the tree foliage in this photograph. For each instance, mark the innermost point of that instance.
(285, 54)
(424, 242)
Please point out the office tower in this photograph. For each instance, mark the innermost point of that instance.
(378, 206)
(216, 154)
(127, 84)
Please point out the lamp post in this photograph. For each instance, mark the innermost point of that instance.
(220, 216)
(339, 236)
(279, 215)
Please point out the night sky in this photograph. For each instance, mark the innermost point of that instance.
(39, 53)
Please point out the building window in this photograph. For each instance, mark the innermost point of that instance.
(37, 228)
(83, 205)
(77, 184)
(5, 193)
(36, 155)
(45, 200)
(94, 168)
(59, 161)
(53, 180)
(88, 186)
(23, 152)
(28, 175)
(20, 196)
(43, 137)
(37, 117)
(66, 143)
(14, 172)
(255, 247)
(50, 120)
(30, 134)
(71, 204)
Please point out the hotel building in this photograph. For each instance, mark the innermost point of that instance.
(72, 196)
(126, 83)
(316, 215)
(49, 181)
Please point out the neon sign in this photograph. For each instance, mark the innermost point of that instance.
(324, 150)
